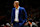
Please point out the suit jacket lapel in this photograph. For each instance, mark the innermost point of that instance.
(19, 14)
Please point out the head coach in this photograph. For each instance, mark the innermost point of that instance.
(18, 15)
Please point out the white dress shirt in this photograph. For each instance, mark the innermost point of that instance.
(16, 15)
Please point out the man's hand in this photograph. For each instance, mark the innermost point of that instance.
(12, 25)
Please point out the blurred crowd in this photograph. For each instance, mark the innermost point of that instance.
(27, 24)
(5, 25)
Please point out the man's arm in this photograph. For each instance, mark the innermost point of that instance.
(12, 16)
(25, 17)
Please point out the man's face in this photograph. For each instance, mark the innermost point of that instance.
(14, 4)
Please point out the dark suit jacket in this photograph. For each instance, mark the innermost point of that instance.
(22, 15)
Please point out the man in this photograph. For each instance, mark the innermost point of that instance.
(18, 15)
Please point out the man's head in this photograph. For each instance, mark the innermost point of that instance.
(16, 3)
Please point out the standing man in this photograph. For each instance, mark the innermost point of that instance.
(18, 15)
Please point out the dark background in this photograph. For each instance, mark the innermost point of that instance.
(31, 6)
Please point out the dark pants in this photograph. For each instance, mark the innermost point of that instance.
(15, 24)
